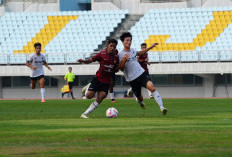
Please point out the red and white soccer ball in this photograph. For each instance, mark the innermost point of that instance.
(111, 113)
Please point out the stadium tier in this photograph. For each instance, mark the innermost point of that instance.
(60, 33)
(188, 34)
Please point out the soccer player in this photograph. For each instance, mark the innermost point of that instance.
(69, 78)
(102, 80)
(111, 89)
(36, 62)
(143, 61)
(135, 74)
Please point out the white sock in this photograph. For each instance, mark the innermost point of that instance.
(149, 93)
(112, 95)
(130, 89)
(92, 107)
(87, 89)
(158, 99)
(42, 90)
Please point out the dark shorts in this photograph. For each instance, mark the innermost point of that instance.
(70, 84)
(99, 86)
(141, 81)
(37, 78)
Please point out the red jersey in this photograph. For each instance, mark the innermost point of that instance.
(108, 64)
(143, 63)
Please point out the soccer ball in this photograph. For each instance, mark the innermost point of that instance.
(111, 113)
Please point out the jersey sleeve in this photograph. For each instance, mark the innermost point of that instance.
(30, 58)
(97, 57)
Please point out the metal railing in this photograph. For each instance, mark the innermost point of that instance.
(155, 57)
(161, 1)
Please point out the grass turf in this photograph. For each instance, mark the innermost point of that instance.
(193, 127)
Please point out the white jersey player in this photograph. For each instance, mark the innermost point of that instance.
(135, 74)
(36, 62)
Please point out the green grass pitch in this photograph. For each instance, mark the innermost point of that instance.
(192, 128)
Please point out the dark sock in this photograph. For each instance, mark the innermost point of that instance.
(71, 94)
(64, 94)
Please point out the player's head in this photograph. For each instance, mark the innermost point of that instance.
(126, 39)
(143, 46)
(70, 69)
(112, 44)
(107, 41)
(37, 47)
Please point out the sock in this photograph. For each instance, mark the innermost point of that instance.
(42, 90)
(112, 95)
(158, 99)
(71, 94)
(87, 89)
(92, 107)
(149, 93)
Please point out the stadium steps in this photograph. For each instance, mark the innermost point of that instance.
(125, 26)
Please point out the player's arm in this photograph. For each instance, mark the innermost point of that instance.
(30, 66)
(47, 66)
(123, 62)
(147, 49)
(86, 61)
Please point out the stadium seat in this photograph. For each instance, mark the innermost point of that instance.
(19, 31)
(187, 29)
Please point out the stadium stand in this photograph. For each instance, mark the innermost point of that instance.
(188, 34)
(65, 36)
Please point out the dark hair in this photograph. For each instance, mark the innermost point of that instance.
(112, 41)
(37, 44)
(143, 44)
(125, 35)
(107, 39)
(69, 67)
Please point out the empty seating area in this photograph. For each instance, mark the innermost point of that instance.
(62, 34)
(188, 34)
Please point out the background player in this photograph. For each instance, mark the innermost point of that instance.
(36, 62)
(134, 73)
(102, 80)
(69, 78)
(143, 61)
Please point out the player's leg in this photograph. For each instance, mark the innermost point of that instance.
(112, 92)
(84, 90)
(136, 87)
(102, 89)
(158, 99)
(33, 83)
(42, 89)
(129, 91)
(70, 89)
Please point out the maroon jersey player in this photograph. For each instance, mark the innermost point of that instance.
(109, 64)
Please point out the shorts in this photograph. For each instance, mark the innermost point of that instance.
(139, 82)
(99, 86)
(70, 84)
(37, 78)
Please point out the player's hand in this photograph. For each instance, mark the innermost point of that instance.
(126, 56)
(33, 68)
(154, 44)
(80, 60)
(148, 63)
(49, 68)
(146, 59)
